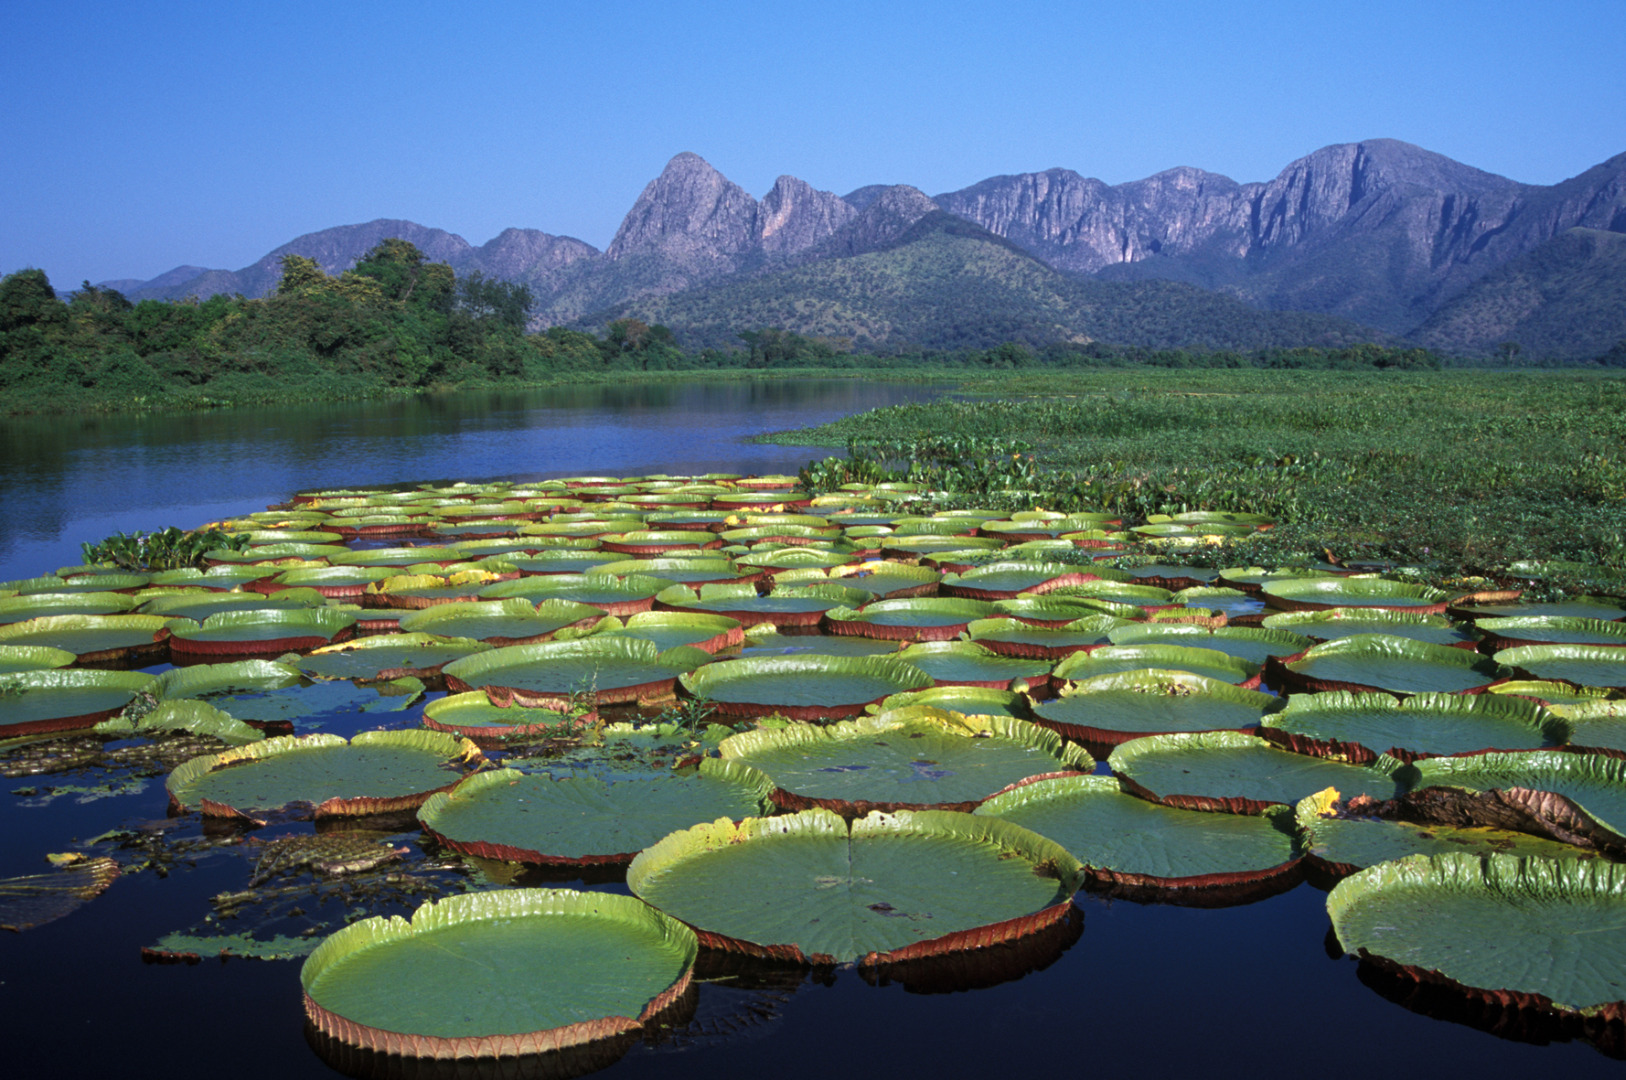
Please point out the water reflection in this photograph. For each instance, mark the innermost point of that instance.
(69, 479)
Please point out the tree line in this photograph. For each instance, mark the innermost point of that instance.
(396, 321)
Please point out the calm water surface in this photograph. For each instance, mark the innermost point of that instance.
(1144, 990)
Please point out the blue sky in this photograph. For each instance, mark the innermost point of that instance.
(139, 136)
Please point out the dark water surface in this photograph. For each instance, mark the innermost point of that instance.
(1144, 990)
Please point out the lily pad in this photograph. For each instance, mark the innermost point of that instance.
(1580, 607)
(611, 595)
(1379, 662)
(1423, 725)
(36, 702)
(269, 693)
(1252, 644)
(668, 629)
(262, 633)
(1591, 782)
(1341, 840)
(196, 717)
(1111, 659)
(35, 899)
(1239, 772)
(198, 606)
(1337, 623)
(14, 658)
(95, 639)
(1105, 710)
(927, 759)
(882, 580)
(15, 609)
(584, 821)
(531, 970)
(1596, 724)
(376, 772)
(965, 663)
(1320, 594)
(472, 715)
(1128, 841)
(809, 888)
(802, 687)
(501, 622)
(388, 656)
(1556, 925)
(933, 618)
(333, 582)
(1004, 580)
(1602, 666)
(801, 606)
(1512, 633)
(1008, 637)
(608, 668)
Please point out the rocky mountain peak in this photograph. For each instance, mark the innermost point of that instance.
(795, 216)
(689, 211)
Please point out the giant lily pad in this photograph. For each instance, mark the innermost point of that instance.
(1592, 787)
(562, 561)
(1239, 772)
(474, 716)
(1047, 611)
(96, 639)
(1579, 607)
(530, 971)
(1512, 633)
(775, 560)
(668, 629)
(35, 702)
(14, 658)
(608, 668)
(14, 609)
(1335, 623)
(1105, 710)
(1601, 666)
(802, 687)
(501, 622)
(1389, 664)
(931, 618)
(1145, 597)
(1252, 644)
(198, 606)
(333, 582)
(965, 663)
(265, 692)
(79, 583)
(1004, 580)
(969, 701)
(925, 759)
(764, 639)
(388, 656)
(644, 543)
(221, 578)
(35, 899)
(1009, 637)
(801, 606)
(261, 633)
(882, 580)
(1556, 926)
(1423, 725)
(397, 556)
(1110, 659)
(1341, 839)
(684, 571)
(807, 887)
(1597, 724)
(376, 772)
(611, 595)
(584, 821)
(1128, 841)
(1320, 594)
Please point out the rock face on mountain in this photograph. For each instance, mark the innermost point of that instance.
(1379, 232)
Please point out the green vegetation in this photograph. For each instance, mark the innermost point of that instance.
(1455, 472)
(166, 549)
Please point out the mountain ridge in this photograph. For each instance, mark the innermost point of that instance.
(1379, 231)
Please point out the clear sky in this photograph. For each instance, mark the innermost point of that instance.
(137, 136)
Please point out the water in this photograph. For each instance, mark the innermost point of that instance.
(1152, 990)
(71, 479)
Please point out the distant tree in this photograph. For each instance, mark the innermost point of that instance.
(26, 298)
(486, 299)
(300, 274)
(1508, 352)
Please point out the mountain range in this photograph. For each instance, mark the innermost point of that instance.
(1376, 240)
